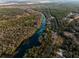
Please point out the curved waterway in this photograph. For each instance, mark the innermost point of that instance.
(33, 41)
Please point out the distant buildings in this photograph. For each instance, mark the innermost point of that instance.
(72, 16)
(73, 28)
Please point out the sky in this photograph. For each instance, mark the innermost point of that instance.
(40, 1)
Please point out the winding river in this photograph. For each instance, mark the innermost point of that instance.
(33, 41)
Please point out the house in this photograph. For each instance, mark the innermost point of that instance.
(72, 16)
(76, 17)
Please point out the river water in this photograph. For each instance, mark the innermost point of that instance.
(33, 41)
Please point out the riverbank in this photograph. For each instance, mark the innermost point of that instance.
(32, 41)
(31, 34)
(16, 25)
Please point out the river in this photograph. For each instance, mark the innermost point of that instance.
(32, 41)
